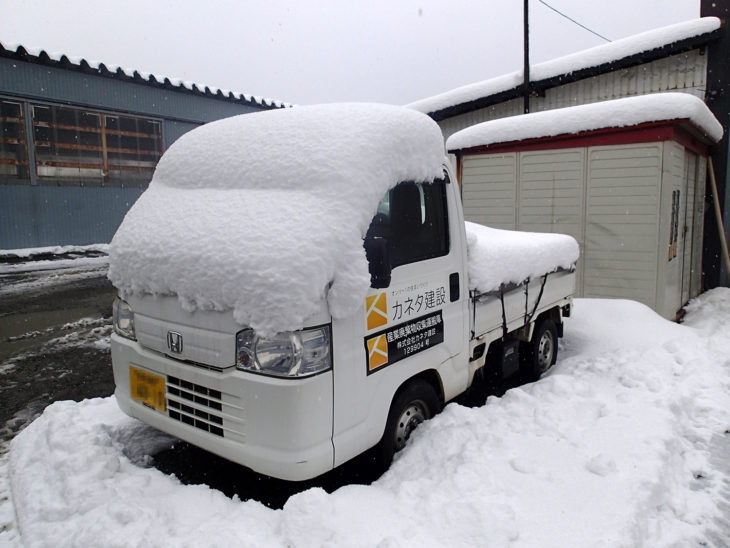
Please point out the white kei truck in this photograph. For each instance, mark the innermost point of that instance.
(298, 286)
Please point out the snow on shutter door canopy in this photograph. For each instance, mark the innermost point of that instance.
(622, 214)
(551, 195)
(489, 189)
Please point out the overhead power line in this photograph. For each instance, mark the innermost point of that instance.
(573, 20)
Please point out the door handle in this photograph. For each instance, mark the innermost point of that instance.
(454, 287)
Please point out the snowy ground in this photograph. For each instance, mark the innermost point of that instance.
(54, 252)
(55, 323)
(625, 443)
(30, 276)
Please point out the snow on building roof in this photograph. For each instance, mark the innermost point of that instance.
(673, 38)
(264, 213)
(629, 111)
(114, 71)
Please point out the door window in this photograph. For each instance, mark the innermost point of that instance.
(413, 218)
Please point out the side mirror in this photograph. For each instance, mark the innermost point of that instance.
(376, 251)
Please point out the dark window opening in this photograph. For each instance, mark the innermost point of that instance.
(13, 142)
(413, 218)
(72, 144)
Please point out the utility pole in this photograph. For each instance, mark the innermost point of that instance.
(526, 37)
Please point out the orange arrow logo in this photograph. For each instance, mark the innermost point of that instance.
(377, 352)
(377, 310)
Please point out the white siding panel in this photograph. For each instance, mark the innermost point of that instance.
(551, 190)
(449, 126)
(615, 200)
(551, 195)
(489, 189)
(621, 231)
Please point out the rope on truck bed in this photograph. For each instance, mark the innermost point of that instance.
(528, 318)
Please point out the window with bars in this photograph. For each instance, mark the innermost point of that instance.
(73, 144)
(13, 142)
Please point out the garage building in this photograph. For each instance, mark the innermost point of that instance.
(626, 178)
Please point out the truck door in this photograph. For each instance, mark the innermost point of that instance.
(420, 314)
(415, 322)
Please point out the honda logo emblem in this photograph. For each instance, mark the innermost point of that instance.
(174, 342)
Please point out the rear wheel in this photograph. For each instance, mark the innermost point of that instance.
(540, 354)
(415, 403)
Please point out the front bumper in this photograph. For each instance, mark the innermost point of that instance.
(278, 427)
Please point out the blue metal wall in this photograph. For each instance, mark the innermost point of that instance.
(34, 214)
(38, 216)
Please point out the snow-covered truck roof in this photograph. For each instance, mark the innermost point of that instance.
(440, 106)
(617, 113)
(264, 213)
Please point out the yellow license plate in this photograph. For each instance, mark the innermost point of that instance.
(147, 388)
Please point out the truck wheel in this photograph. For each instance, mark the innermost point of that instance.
(540, 354)
(414, 404)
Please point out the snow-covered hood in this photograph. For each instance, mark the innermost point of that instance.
(264, 213)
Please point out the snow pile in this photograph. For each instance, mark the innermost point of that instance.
(29, 276)
(8, 534)
(593, 57)
(506, 256)
(618, 446)
(27, 253)
(624, 112)
(265, 213)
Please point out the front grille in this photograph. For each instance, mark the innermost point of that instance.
(201, 365)
(192, 404)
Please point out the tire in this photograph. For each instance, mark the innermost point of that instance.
(541, 353)
(412, 405)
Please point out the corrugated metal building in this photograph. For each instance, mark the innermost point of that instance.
(674, 59)
(79, 141)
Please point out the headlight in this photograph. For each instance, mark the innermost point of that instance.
(287, 354)
(123, 319)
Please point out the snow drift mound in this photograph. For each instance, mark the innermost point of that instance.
(613, 448)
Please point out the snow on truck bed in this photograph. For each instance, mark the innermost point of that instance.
(506, 256)
(265, 214)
